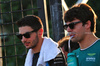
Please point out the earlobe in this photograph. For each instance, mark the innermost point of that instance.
(40, 32)
(88, 24)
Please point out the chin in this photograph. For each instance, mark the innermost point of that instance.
(27, 47)
(73, 40)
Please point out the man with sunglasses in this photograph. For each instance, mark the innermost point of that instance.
(80, 22)
(42, 51)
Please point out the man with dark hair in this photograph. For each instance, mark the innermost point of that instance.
(81, 24)
(43, 51)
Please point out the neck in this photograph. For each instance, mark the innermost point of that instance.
(38, 47)
(87, 41)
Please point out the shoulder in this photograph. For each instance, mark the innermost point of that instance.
(59, 60)
(98, 41)
(77, 50)
(96, 44)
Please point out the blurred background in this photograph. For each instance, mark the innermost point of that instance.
(12, 51)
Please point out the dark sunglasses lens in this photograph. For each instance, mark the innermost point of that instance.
(27, 35)
(19, 36)
(71, 25)
(65, 27)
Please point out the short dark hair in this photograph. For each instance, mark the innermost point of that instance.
(82, 12)
(30, 20)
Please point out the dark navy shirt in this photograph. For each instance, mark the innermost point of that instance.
(35, 59)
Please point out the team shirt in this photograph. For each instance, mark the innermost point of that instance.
(89, 56)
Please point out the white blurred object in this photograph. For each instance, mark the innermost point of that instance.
(69, 44)
(81, 1)
(66, 7)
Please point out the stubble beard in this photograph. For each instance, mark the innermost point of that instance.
(77, 39)
(35, 42)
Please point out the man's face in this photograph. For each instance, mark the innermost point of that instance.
(76, 29)
(32, 40)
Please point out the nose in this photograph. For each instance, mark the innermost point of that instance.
(23, 39)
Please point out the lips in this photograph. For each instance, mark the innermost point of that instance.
(71, 34)
(26, 43)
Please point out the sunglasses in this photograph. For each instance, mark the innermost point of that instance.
(26, 35)
(71, 25)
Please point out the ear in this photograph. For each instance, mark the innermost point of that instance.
(88, 24)
(40, 32)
